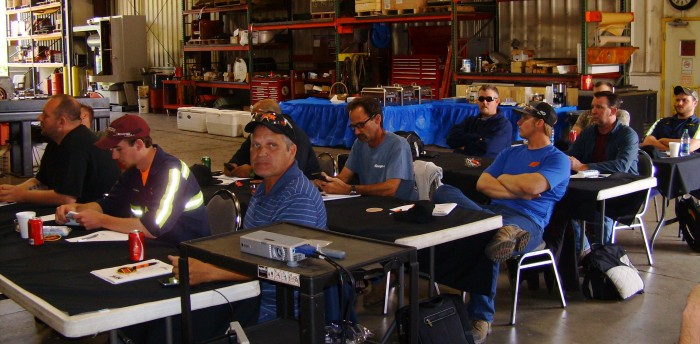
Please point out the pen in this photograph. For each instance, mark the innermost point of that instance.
(89, 237)
(129, 269)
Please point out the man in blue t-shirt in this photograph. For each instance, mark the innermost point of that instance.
(381, 159)
(670, 129)
(524, 183)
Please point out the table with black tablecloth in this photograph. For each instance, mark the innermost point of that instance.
(676, 177)
(53, 282)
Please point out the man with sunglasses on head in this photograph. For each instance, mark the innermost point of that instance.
(486, 134)
(607, 146)
(524, 183)
(382, 159)
(239, 164)
(670, 129)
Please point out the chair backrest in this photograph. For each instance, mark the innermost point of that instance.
(224, 212)
(328, 164)
(342, 158)
(645, 166)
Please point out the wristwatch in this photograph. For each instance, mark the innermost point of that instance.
(353, 191)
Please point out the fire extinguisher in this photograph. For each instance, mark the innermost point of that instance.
(56, 82)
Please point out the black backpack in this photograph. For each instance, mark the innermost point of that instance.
(609, 274)
(416, 143)
(441, 319)
(688, 214)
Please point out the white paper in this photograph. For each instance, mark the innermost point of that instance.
(51, 217)
(101, 236)
(228, 180)
(112, 276)
(333, 197)
(2, 204)
(442, 209)
(581, 176)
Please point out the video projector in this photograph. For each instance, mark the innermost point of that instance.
(273, 246)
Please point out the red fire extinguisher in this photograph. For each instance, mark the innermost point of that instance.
(56, 82)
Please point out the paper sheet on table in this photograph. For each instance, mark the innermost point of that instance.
(442, 209)
(333, 197)
(2, 204)
(615, 23)
(228, 180)
(580, 176)
(101, 236)
(112, 276)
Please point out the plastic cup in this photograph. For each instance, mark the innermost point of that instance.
(22, 218)
(674, 148)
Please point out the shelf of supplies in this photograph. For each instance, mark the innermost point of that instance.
(37, 8)
(19, 38)
(223, 84)
(47, 36)
(519, 77)
(216, 47)
(297, 24)
(36, 64)
(232, 8)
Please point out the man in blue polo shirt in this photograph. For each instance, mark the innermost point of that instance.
(670, 129)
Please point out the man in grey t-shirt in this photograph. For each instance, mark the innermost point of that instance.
(381, 159)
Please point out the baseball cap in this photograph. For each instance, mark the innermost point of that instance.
(685, 90)
(273, 121)
(125, 127)
(540, 110)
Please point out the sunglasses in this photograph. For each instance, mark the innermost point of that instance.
(270, 117)
(361, 124)
(487, 99)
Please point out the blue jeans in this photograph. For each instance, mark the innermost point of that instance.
(482, 307)
(607, 233)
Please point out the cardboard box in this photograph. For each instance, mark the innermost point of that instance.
(368, 5)
(517, 67)
(418, 5)
(322, 6)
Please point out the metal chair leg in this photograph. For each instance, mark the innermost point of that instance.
(386, 292)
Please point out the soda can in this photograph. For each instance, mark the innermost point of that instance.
(573, 135)
(206, 161)
(36, 231)
(137, 245)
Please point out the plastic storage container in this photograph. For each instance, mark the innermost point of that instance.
(192, 119)
(224, 122)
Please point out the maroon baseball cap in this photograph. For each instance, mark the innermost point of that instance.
(124, 128)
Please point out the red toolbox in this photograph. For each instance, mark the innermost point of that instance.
(270, 88)
(422, 70)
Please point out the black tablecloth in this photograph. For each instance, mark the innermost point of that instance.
(581, 194)
(456, 173)
(678, 176)
(454, 261)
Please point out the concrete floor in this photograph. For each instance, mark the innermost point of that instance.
(653, 317)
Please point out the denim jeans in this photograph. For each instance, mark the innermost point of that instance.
(607, 233)
(482, 307)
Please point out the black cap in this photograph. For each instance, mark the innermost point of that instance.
(685, 90)
(540, 110)
(273, 121)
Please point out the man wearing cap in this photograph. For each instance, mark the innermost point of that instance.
(156, 194)
(382, 159)
(285, 194)
(524, 183)
(305, 156)
(607, 146)
(72, 169)
(486, 134)
(670, 129)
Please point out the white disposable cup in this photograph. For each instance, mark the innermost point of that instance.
(674, 148)
(22, 218)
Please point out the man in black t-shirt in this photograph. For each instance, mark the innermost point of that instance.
(72, 169)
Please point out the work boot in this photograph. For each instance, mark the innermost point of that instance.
(508, 239)
(480, 330)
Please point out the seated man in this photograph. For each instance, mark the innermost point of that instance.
(87, 114)
(72, 169)
(607, 146)
(382, 159)
(156, 194)
(524, 183)
(670, 129)
(486, 134)
(285, 194)
(584, 119)
(305, 157)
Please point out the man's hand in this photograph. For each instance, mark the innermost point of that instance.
(242, 171)
(229, 171)
(201, 272)
(62, 210)
(576, 165)
(12, 193)
(332, 185)
(90, 219)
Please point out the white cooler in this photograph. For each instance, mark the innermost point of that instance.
(243, 119)
(225, 123)
(192, 119)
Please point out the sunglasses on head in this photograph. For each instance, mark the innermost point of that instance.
(270, 117)
(487, 99)
(361, 124)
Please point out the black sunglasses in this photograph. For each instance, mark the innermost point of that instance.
(361, 124)
(270, 117)
(487, 99)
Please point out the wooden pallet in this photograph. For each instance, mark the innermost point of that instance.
(323, 15)
(217, 3)
(403, 11)
(368, 13)
(448, 8)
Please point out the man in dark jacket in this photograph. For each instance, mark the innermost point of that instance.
(486, 134)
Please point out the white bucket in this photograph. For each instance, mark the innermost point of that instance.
(143, 105)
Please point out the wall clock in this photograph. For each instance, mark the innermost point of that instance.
(682, 5)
